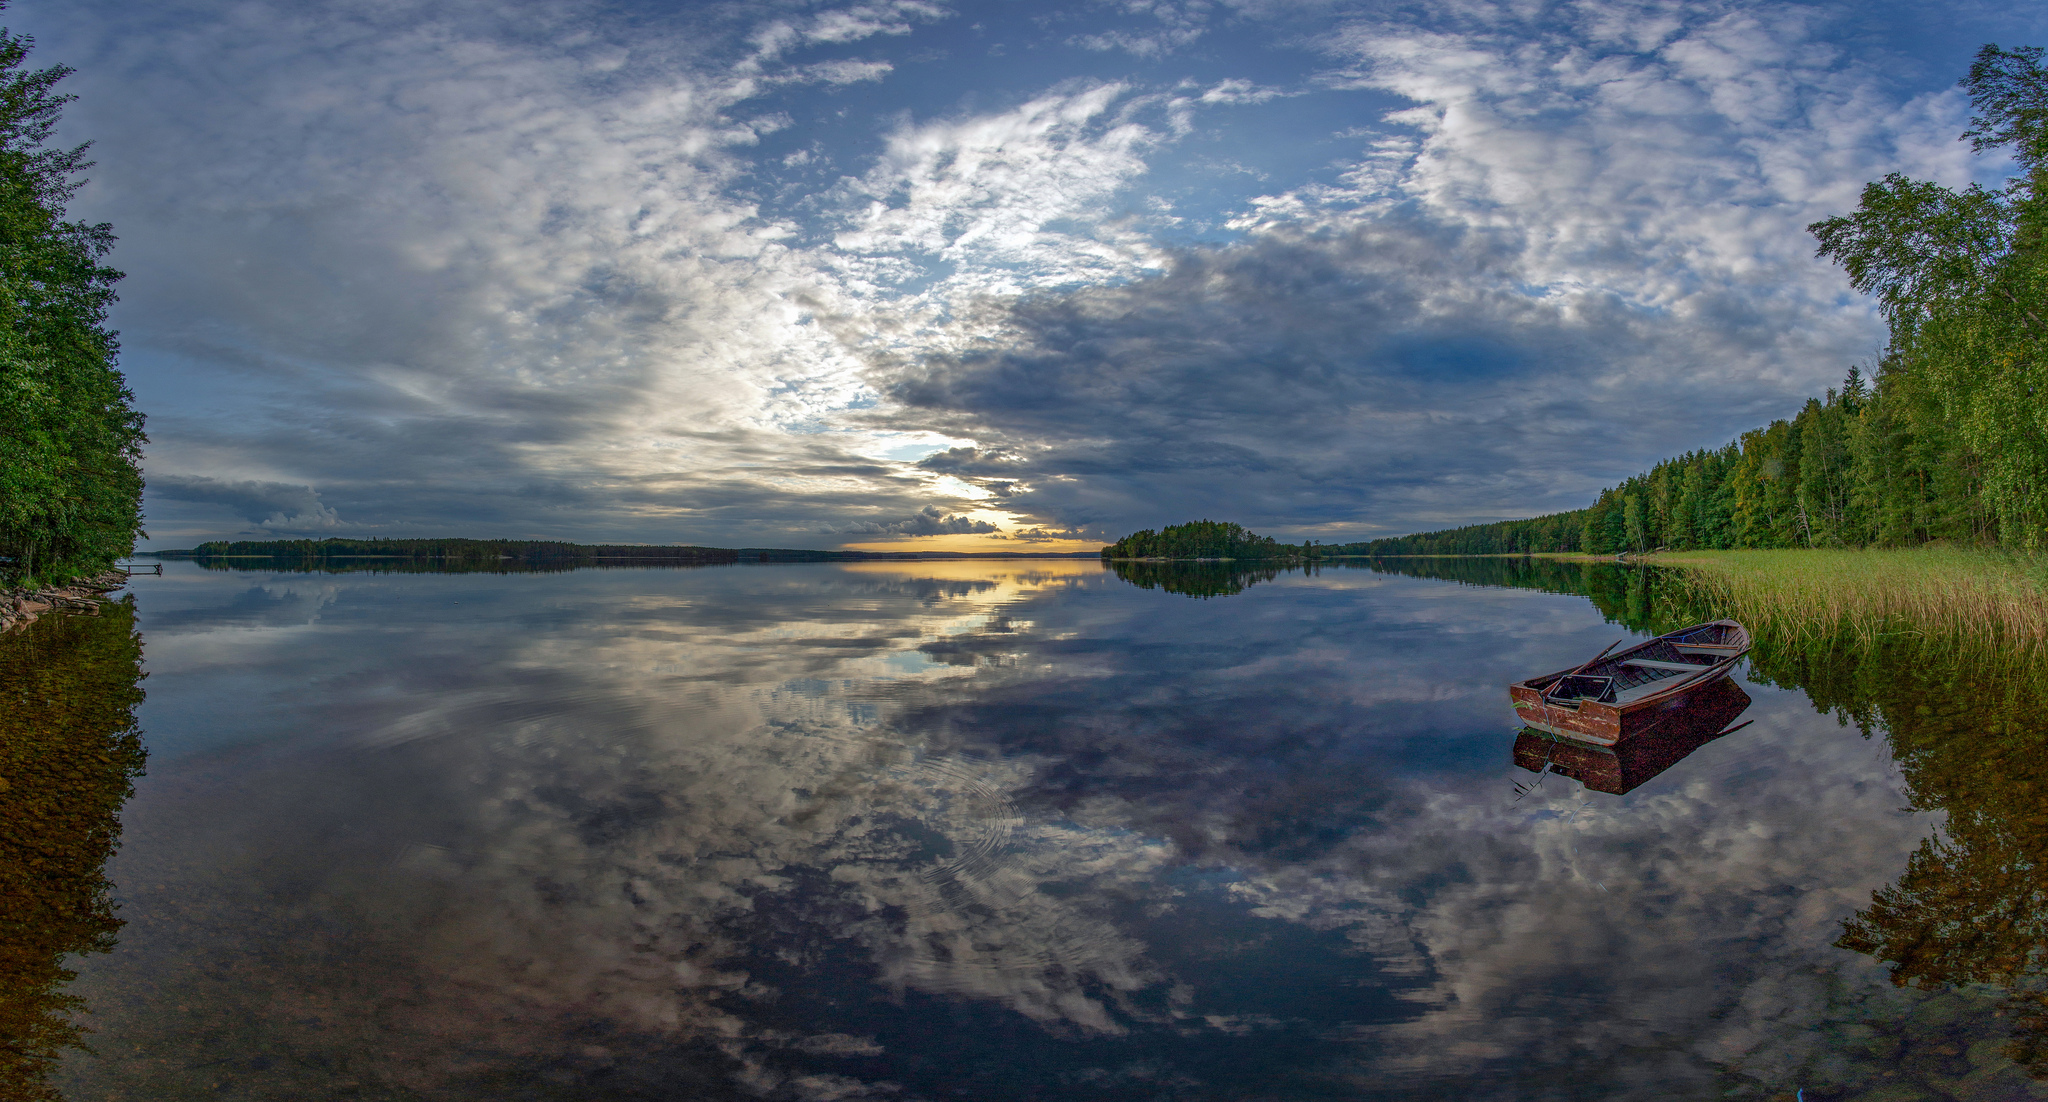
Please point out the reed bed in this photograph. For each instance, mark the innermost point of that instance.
(1971, 598)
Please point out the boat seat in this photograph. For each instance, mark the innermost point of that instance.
(1653, 664)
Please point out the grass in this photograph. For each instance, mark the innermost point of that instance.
(1938, 592)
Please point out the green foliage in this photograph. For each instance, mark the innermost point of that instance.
(1207, 539)
(1960, 276)
(70, 441)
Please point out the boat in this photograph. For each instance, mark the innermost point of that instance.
(1616, 696)
(1617, 770)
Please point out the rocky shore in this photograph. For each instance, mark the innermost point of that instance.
(21, 606)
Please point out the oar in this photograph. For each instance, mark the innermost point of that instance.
(1602, 654)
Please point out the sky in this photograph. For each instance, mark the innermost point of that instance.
(986, 275)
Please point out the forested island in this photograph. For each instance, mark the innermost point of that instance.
(1949, 441)
(1208, 539)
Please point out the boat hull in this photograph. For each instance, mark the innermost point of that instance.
(1651, 703)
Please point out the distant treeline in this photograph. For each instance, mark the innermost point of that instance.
(458, 553)
(1207, 539)
(516, 556)
(1952, 441)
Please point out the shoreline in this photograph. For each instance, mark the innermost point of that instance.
(21, 607)
(1968, 596)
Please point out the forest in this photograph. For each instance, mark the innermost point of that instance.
(1947, 442)
(70, 438)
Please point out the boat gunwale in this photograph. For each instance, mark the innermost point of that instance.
(1722, 665)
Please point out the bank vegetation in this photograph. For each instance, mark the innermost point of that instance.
(70, 438)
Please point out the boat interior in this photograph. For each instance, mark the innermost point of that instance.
(1710, 639)
(1637, 672)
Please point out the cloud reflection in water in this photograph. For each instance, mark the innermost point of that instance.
(862, 830)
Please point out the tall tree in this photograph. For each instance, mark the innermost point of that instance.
(1960, 276)
(70, 438)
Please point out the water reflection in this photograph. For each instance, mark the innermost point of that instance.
(69, 752)
(1967, 730)
(988, 830)
(1969, 737)
(1705, 715)
(1198, 579)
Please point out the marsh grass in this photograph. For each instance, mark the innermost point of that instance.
(1973, 599)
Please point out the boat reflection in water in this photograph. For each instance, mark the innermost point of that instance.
(1682, 726)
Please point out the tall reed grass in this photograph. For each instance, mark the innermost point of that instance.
(1971, 598)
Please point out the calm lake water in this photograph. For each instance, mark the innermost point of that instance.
(1026, 830)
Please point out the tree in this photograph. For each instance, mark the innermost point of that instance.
(1638, 530)
(1961, 276)
(70, 439)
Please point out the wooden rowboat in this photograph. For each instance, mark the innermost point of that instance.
(1618, 695)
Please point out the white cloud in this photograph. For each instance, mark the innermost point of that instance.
(461, 271)
(1010, 201)
(1664, 166)
(1164, 28)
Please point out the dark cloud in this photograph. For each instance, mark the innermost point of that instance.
(1039, 535)
(929, 521)
(1392, 373)
(279, 505)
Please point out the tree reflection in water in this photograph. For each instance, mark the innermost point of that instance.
(69, 755)
(1968, 730)
(1197, 579)
(1969, 736)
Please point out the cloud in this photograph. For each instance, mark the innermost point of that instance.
(851, 23)
(502, 283)
(1008, 200)
(1172, 27)
(1039, 535)
(546, 270)
(1391, 370)
(280, 506)
(1589, 254)
(929, 521)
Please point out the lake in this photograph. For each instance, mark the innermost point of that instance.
(1017, 829)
